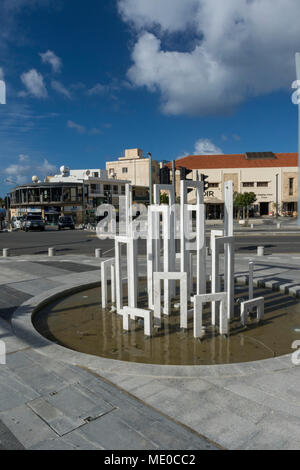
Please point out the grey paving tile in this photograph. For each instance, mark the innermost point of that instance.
(71, 266)
(35, 287)
(10, 299)
(69, 408)
(7, 440)
(26, 426)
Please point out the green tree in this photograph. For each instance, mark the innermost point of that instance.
(244, 201)
(164, 198)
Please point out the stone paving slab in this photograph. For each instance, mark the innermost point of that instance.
(8, 440)
(241, 406)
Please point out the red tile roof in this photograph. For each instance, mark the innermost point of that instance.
(199, 162)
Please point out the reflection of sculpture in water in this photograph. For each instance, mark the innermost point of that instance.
(162, 231)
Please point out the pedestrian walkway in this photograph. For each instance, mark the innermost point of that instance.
(46, 404)
(71, 401)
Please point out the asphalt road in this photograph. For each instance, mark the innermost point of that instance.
(83, 242)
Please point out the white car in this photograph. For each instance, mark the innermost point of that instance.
(16, 222)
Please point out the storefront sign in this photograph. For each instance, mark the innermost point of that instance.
(209, 194)
(72, 208)
(52, 210)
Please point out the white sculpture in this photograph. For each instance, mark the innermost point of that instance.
(161, 265)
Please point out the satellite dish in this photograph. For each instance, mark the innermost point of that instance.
(64, 170)
(35, 179)
(87, 172)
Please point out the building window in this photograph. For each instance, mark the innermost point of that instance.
(106, 187)
(124, 170)
(213, 185)
(111, 171)
(291, 186)
(248, 185)
(262, 184)
(122, 189)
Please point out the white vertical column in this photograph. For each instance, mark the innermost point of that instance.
(157, 300)
(183, 202)
(119, 285)
(150, 260)
(215, 279)
(198, 312)
(103, 285)
(132, 272)
(183, 301)
(223, 324)
(201, 248)
(228, 253)
(113, 283)
(166, 259)
(251, 266)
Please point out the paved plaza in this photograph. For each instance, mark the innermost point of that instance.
(54, 398)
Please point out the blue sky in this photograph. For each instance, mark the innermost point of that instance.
(85, 80)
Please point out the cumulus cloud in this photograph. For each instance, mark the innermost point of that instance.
(50, 58)
(98, 89)
(22, 172)
(242, 48)
(206, 147)
(60, 88)
(34, 83)
(73, 125)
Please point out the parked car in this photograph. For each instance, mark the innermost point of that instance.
(66, 222)
(16, 222)
(33, 222)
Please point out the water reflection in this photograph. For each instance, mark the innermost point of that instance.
(78, 322)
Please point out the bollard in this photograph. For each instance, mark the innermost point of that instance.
(260, 251)
(51, 252)
(279, 225)
(5, 252)
(98, 253)
(252, 225)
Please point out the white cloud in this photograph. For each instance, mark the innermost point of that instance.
(236, 137)
(34, 83)
(46, 168)
(23, 158)
(98, 89)
(73, 125)
(22, 172)
(206, 147)
(242, 48)
(60, 88)
(95, 131)
(50, 58)
(171, 15)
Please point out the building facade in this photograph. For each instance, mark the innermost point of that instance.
(271, 177)
(73, 192)
(133, 167)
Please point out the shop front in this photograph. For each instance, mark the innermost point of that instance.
(51, 215)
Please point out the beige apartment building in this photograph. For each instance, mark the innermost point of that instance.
(134, 168)
(263, 173)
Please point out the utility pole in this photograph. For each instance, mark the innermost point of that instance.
(150, 178)
(298, 78)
